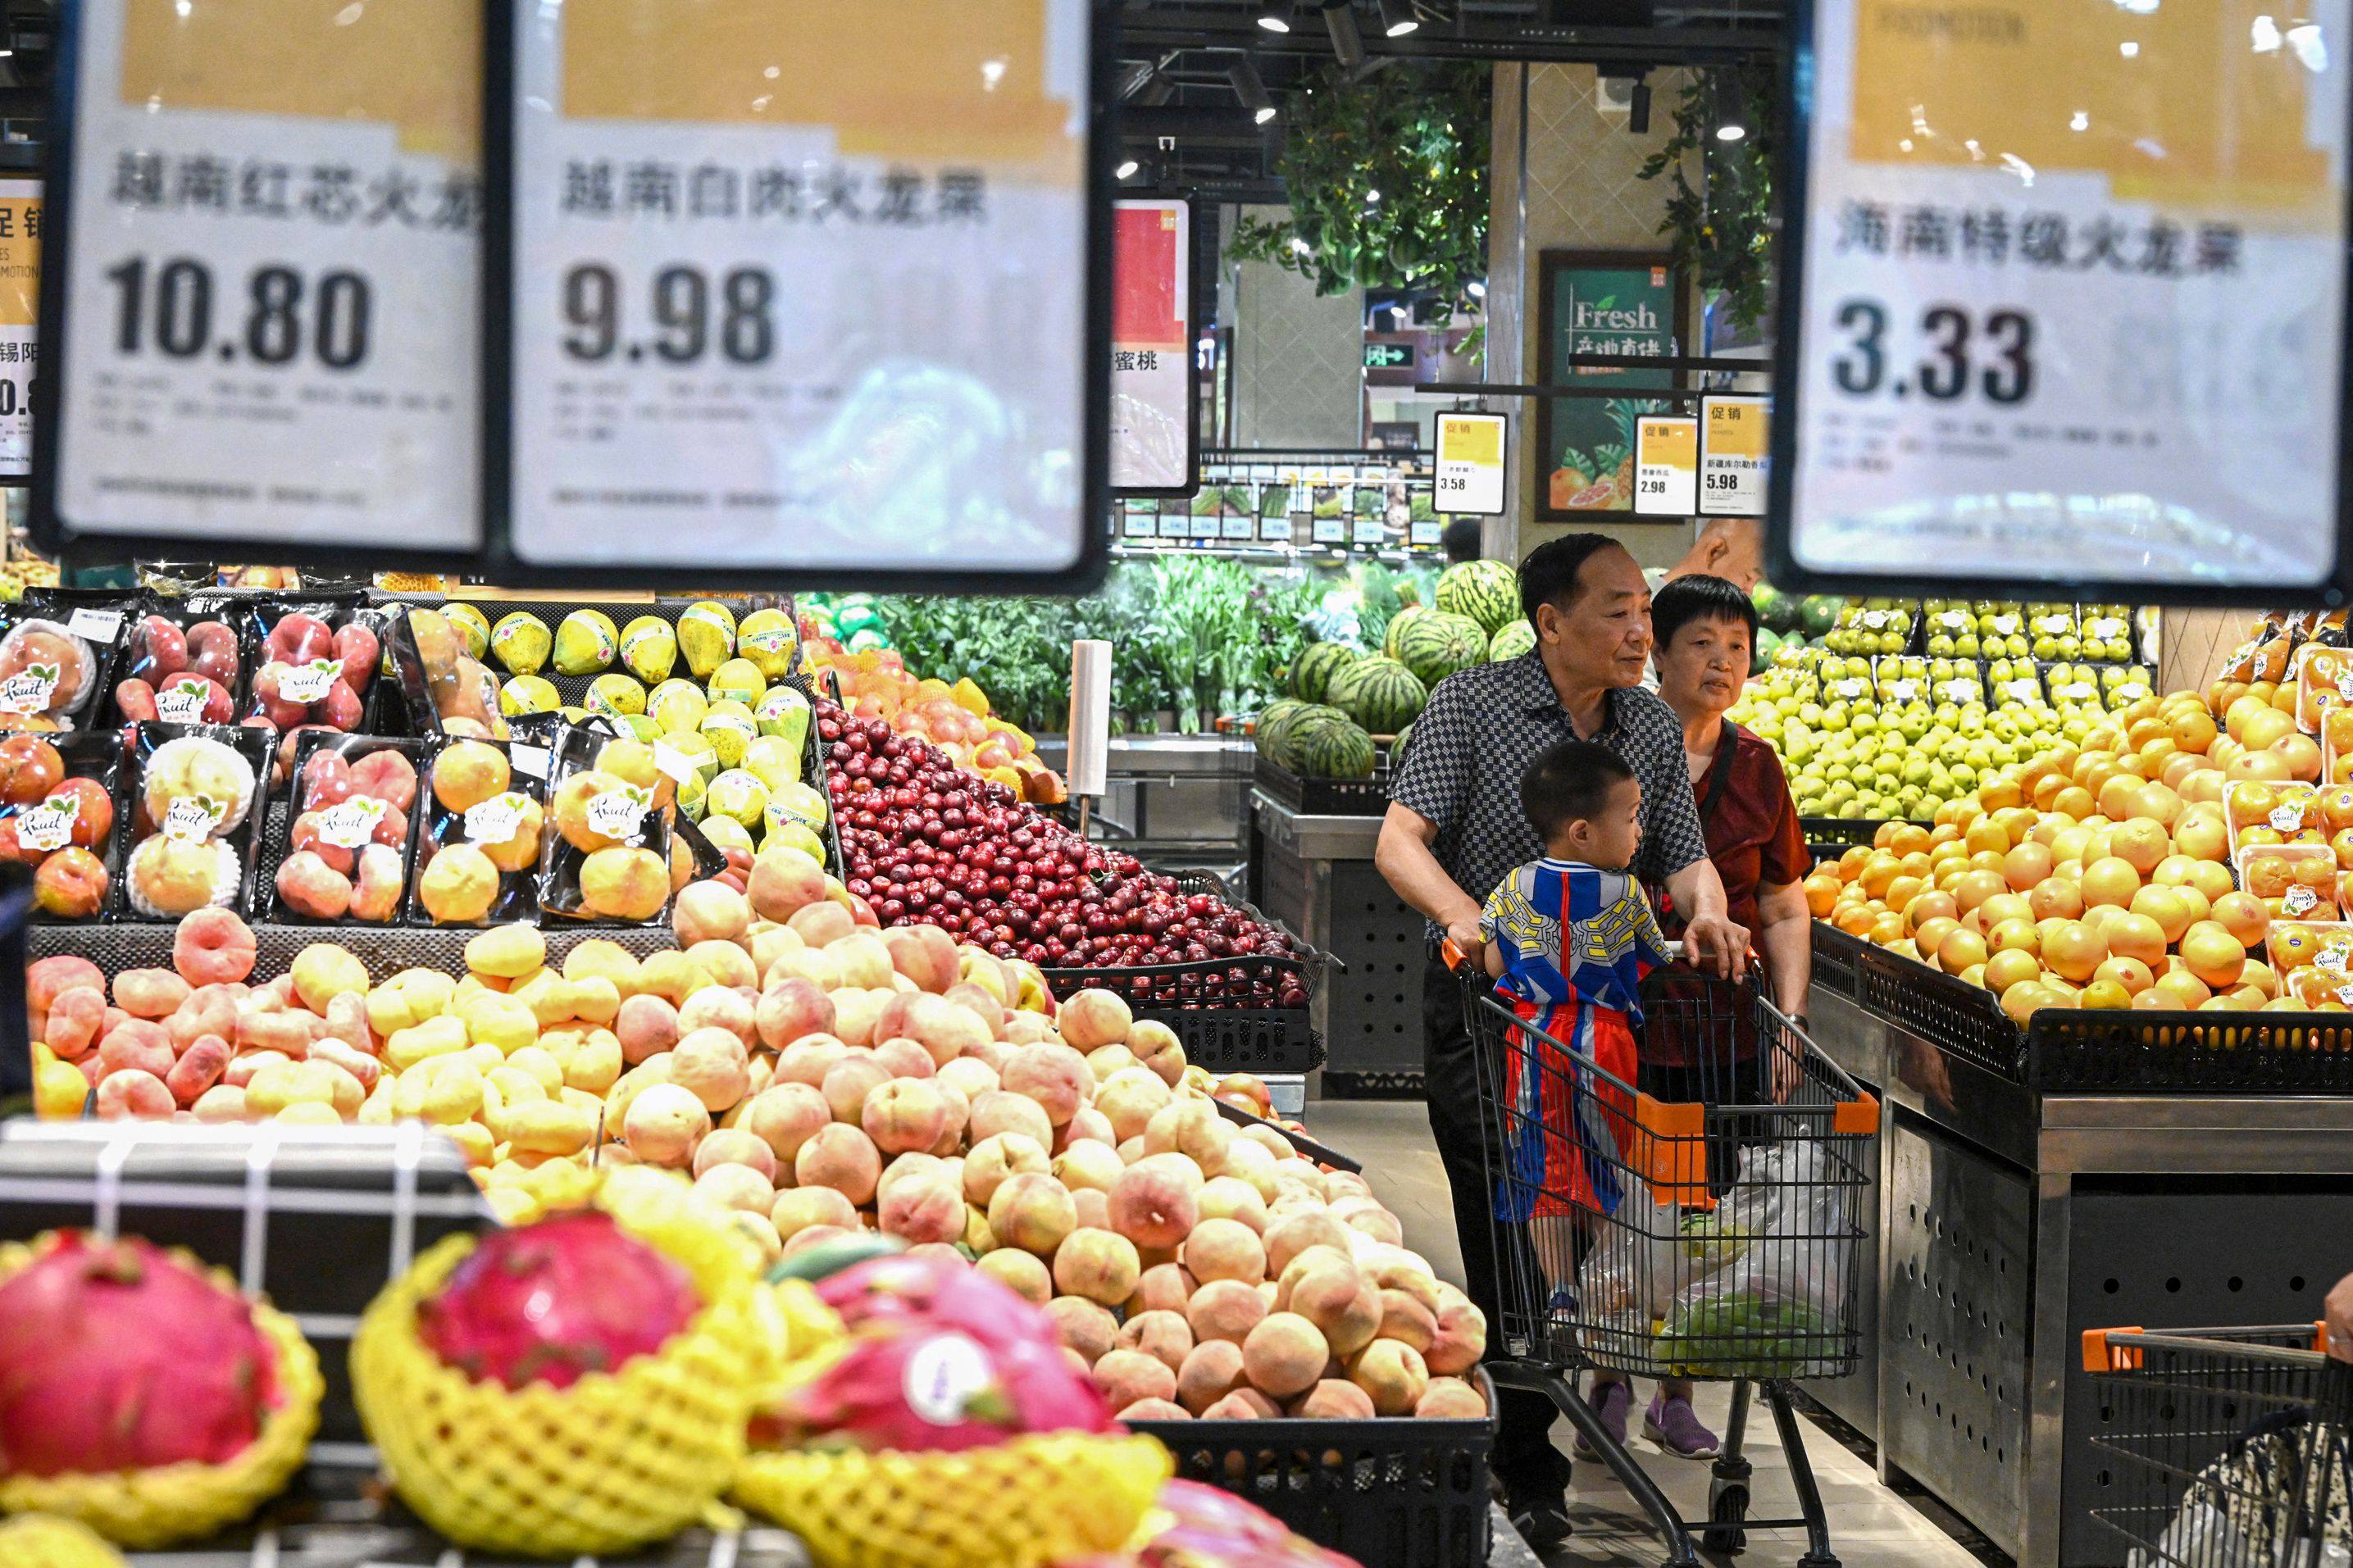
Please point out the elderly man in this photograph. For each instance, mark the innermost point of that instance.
(1454, 827)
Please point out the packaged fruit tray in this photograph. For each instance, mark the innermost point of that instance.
(1325, 797)
(1385, 1492)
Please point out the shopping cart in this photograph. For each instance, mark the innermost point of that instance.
(2223, 1447)
(1716, 1238)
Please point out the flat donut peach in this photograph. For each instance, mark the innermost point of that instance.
(211, 947)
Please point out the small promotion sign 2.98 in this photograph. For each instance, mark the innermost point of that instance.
(258, 306)
(1733, 444)
(1470, 464)
(2066, 307)
(1666, 465)
(788, 286)
(20, 302)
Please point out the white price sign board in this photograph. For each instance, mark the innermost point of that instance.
(2070, 300)
(259, 312)
(1732, 455)
(1666, 465)
(1470, 464)
(1152, 433)
(794, 285)
(20, 301)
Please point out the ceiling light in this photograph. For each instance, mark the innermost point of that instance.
(1251, 87)
(1347, 43)
(1126, 168)
(1275, 15)
(1476, 290)
(1398, 18)
(1731, 120)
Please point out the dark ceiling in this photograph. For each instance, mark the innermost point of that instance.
(1189, 69)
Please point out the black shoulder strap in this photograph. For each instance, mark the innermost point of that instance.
(1719, 770)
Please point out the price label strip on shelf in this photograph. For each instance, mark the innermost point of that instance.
(261, 313)
(793, 286)
(2070, 300)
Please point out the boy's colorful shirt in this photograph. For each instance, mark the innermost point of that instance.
(1569, 932)
(1576, 942)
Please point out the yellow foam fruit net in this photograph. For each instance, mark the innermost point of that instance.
(1033, 1500)
(45, 1540)
(618, 1460)
(149, 1509)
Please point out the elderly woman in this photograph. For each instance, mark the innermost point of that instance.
(1702, 631)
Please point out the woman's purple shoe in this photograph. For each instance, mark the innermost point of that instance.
(1674, 1427)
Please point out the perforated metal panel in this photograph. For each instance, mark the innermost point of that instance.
(1375, 1033)
(2160, 1253)
(1957, 1324)
(1854, 1399)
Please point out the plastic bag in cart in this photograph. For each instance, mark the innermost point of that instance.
(1779, 1306)
(2233, 1514)
(1648, 1255)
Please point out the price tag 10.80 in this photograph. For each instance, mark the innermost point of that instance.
(261, 315)
(773, 292)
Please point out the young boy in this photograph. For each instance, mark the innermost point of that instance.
(1568, 939)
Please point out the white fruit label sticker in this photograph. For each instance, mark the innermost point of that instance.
(2287, 818)
(1853, 687)
(50, 825)
(2345, 994)
(735, 721)
(307, 683)
(2002, 624)
(1903, 691)
(769, 641)
(1958, 690)
(2345, 685)
(942, 1376)
(192, 817)
(632, 641)
(1951, 620)
(619, 812)
(2330, 958)
(496, 820)
(669, 760)
(97, 626)
(183, 701)
(530, 761)
(29, 691)
(2298, 899)
(2105, 628)
(353, 822)
(1874, 619)
(2078, 690)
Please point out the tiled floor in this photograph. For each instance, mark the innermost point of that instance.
(1871, 1527)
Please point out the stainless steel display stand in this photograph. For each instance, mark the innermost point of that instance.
(1170, 796)
(2011, 1221)
(1316, 874)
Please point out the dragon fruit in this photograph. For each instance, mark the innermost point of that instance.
(943, 1292)
(115, 1355)
(914, 1386)
(1215, 1528)
(556, 1301)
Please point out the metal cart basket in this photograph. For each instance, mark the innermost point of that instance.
(1714, 1235)
(2224, 1448)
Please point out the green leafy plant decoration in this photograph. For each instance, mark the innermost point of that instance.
(1721, 228)
(1387, 183)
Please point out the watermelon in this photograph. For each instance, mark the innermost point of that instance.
(1311, 675)
(1332, 748)
(1514, 639)
(1278, 729)
(1398, 623)
(1487, 591)
(1776, 611)
(1380, 694)
(1438, 645)
(1817, 612)
(1761, 657)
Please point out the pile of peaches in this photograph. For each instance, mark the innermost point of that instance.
(2187, 857)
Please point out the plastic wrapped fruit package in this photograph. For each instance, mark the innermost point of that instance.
(610, 806)
(58, 814)
(2327, 945)
(2324, 680)
(462, 691)
(47, 674)
(480, 829)
(345, 855)
(178, 665)
(2294, 881)
(196, 818)
(308, 669)
(2264, 811)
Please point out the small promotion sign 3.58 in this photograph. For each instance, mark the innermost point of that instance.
(1470, 464)
(2066, 303)
(789, 286)
(259, 297)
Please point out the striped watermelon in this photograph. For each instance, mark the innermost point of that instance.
(1278, 729)
(1380, 694)
(1332, 748)
(1488, 592)
(1516, 638)
(1439, 643)
(1399, 624)
(1311, 675)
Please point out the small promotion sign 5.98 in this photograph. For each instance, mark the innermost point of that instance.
(1733, 444)
(259, 303)
(2066, 304)
(790, 285)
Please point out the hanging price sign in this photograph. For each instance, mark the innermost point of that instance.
(1470, 464)
(20, 299)
(1154, 436)
(1732, 455)
(2065, 308)
(1666, 465)
(795, 285)
(258, 297)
